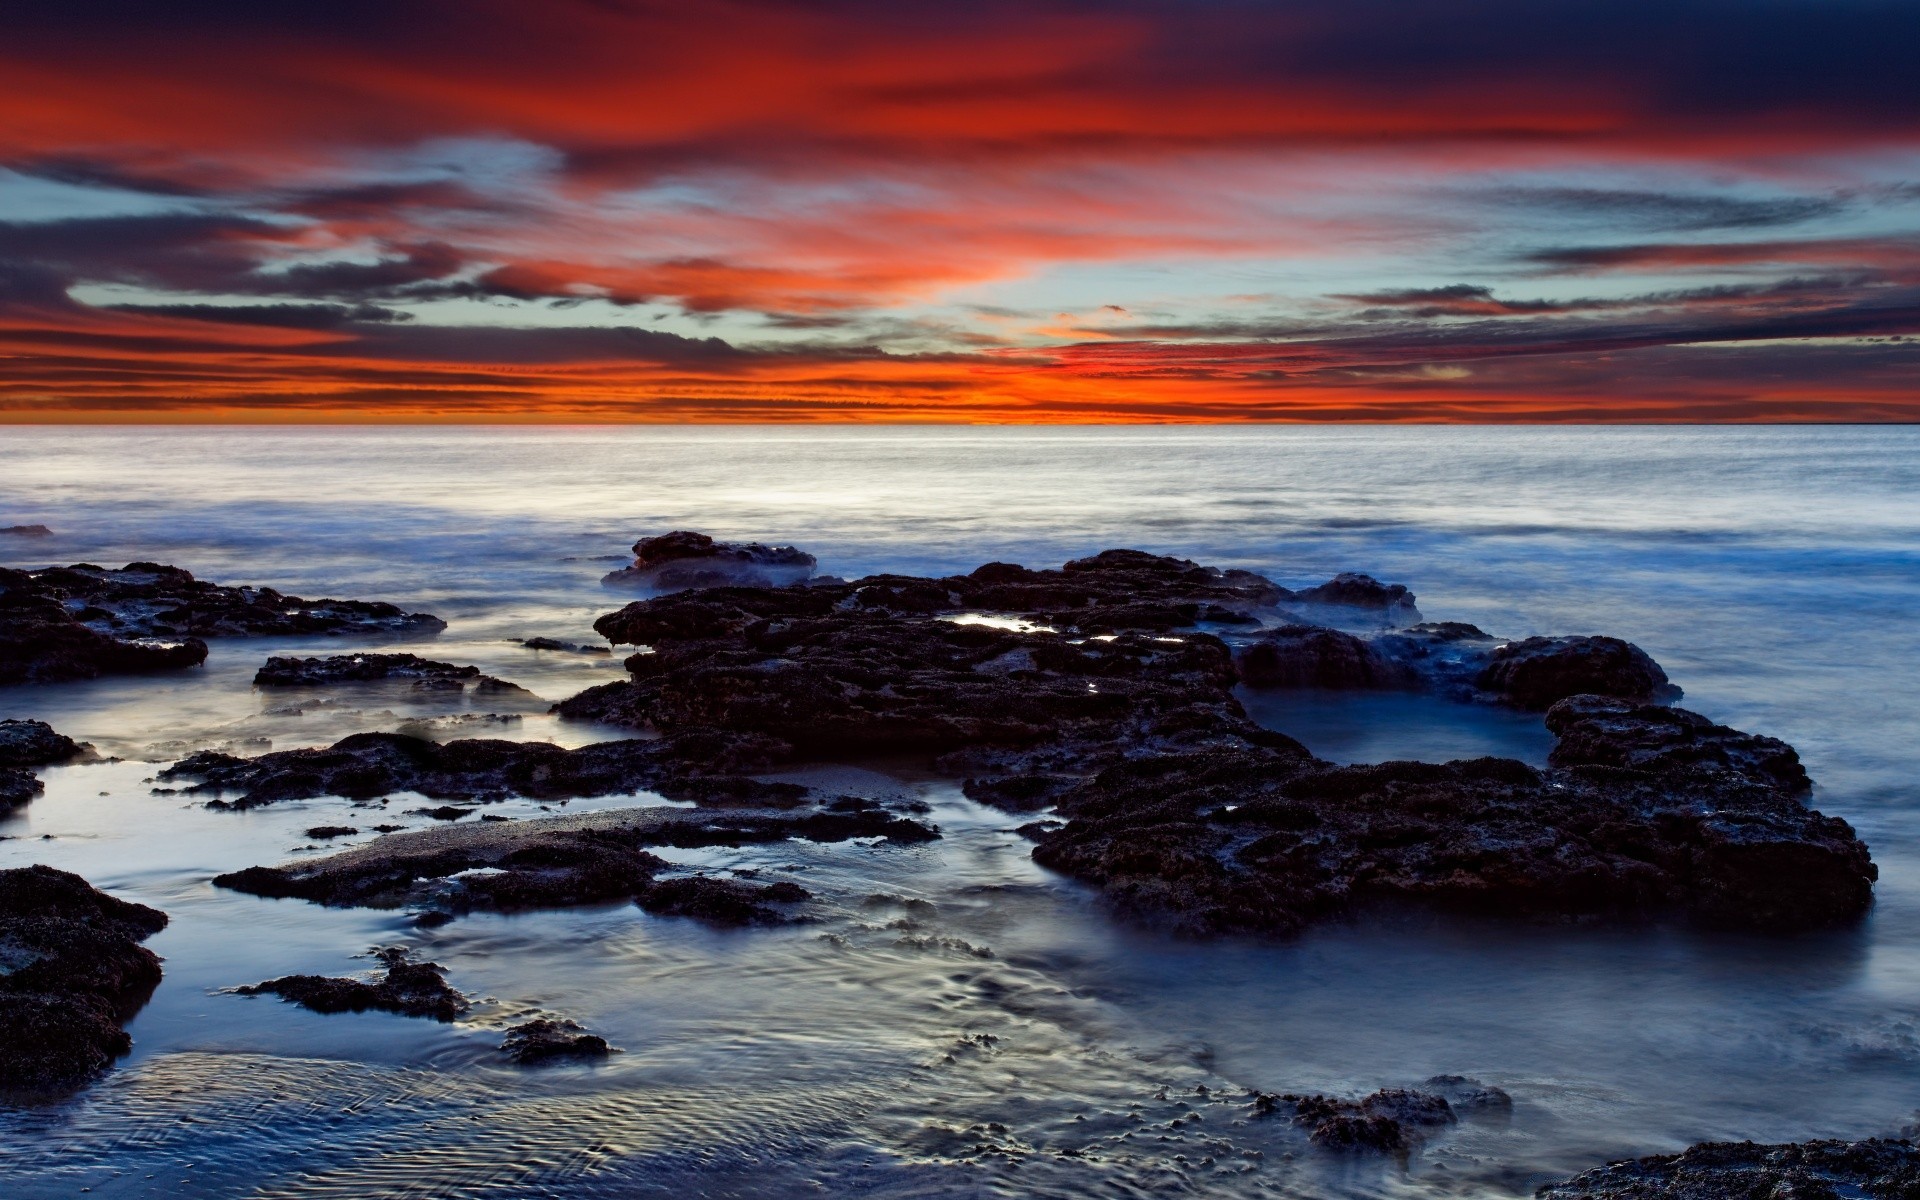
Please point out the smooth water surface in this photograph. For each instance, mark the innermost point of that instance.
(1006, 1037)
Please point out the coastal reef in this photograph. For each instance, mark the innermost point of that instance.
(1102, 695)
(412, 989)
(1875, 1169)
(83, 621)
(72, 971)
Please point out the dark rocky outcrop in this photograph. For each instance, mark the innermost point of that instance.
(547, 643)
(369, 765)
(556, 862)
(1540, 671)
(676, 561)
(1301, 656)
(424, 674)
(323, 832)
(1352, 590)
(1605, 732)
(1391, 1121)
(545, 1040)
(1263, 840)
(1876, 1169)
(28, 531)
(1104, 702)
(72, 971)
(82, 621)
(26, 744)
(412, 989)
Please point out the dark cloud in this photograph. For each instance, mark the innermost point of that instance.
(1672, 211)
(287, 316)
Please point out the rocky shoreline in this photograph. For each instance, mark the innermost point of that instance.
(1099, 701)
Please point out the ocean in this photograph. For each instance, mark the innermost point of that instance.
(1013, 1038)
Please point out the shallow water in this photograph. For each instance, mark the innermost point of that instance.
(1011, 1039)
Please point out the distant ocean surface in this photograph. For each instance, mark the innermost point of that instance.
(1773, 571)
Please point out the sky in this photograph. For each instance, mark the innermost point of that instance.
(815, 210)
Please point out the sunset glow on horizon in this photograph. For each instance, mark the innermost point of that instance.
(613, 210)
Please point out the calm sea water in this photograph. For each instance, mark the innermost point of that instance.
(1012, 1040)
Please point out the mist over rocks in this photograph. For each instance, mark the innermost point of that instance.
(74, 972)
(1303, 656)
(684, 559)
(1877, 1168)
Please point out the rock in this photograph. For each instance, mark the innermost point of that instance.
(1392, 1121)
(331, 831)
(1539, 671)
(1470, 1096)
(1601, 731)
(1352, 590)
(425, 674)
(1879, 1169)
(35, 744)
(720, 901)
(1301, 656)
(74, 971)
(83, 621)
(562, 861)
(547, 643)
(446, 812)
(25, 744)
(545, 1040)
(680, 560)
(29, 531)
(17, 787)
(369, 765)
(1270, 842)
(413, 989)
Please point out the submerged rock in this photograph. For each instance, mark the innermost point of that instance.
(564, 861)
(369, 765)
(412, 989)
(82, 621)
(1539, 671)
(1876, 1169)
(1301, 656)
(545, 1040)
(425, 674)
(1390, 1121)
(676, 561)
(72, 971)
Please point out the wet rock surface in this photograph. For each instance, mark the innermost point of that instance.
(369, 765)
(1877, 1169)
(1391, 1121)
(557, 862)
(1536, 672)
(1259, 840)
(1300, 656)
(1604, 732)
(683, 559)
(546, 1040)
(412, 989)
(72, 971)
(82, 621)
(424, 674)
(27, 744)
(1104, 702)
